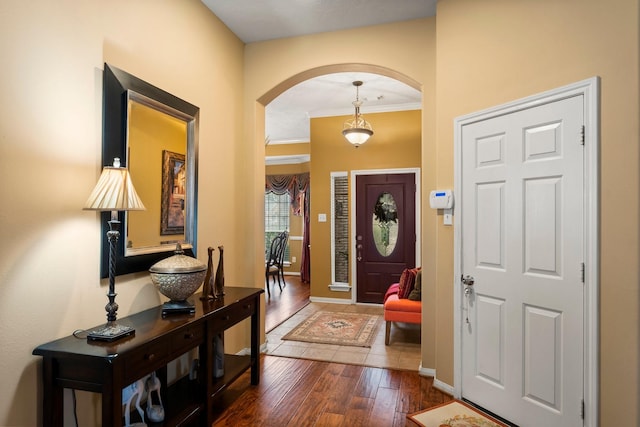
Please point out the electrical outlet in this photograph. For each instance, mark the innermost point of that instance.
(293, 259)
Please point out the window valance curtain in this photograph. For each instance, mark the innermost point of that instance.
(296, 186)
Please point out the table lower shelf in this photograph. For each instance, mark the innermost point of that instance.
(234, 366)
(183, 405)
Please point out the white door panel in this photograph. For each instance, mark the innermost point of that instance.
(490, 249)
(490, 340)
(522, 240)
(542, 368)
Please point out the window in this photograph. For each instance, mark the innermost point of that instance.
(339, 231)
(276, 218)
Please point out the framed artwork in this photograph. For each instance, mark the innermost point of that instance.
(173, 193)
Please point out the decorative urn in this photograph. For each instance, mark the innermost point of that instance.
(178, 276)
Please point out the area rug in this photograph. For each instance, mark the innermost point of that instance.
(329, 327)
(453, 414)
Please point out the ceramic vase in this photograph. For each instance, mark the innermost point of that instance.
(207, 287)
(219, 280)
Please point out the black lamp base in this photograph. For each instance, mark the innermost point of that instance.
(110, 332)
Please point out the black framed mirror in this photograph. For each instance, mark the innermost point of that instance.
(155, 135)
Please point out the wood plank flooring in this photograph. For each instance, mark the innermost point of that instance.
(283, 304)
(297, 392)
(301, 392)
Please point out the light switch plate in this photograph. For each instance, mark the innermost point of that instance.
(448, 217)
(322, 217)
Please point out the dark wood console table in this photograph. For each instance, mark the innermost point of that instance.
(107, 368)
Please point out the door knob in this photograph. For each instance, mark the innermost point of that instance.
(467, 280)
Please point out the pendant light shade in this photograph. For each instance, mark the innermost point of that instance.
(357, 130)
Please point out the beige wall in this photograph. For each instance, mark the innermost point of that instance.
(488, 53)
(266, 76)
(309, 56)
(52, 56)
(495, 51)
(395, 144)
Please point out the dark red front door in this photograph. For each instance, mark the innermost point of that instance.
(385, 232)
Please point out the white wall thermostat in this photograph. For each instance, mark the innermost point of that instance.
(441, 199)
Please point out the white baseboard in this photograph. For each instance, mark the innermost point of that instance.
(247, 351)
(330, 300)
(426, 372)
(443, 387)
(367, 304)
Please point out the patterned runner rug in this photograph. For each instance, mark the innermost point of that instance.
(329, 327)
(453, 414)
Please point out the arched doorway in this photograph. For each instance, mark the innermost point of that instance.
(319, 73)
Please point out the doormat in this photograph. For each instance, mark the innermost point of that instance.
(330, 327)
(454, 414)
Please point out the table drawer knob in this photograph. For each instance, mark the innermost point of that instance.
(150, 356)
(188, 336)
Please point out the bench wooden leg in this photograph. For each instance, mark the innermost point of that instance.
(387, 333)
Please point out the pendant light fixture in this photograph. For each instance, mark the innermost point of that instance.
(357, 130)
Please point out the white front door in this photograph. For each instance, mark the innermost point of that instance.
(522, 241)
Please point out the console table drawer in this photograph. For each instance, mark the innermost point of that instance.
(145, 358)
(187, 338)
(228, 318)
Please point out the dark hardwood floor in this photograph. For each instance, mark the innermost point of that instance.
(297, 392)
(282, 305)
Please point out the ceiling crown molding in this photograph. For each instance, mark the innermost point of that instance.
(287, 160)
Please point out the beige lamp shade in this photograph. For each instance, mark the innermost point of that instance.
(114, 191)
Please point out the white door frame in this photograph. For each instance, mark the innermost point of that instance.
(352, 214)
(590, 90)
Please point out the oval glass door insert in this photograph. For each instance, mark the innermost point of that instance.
(385, 224)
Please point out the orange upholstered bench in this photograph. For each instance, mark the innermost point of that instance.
(400, 310)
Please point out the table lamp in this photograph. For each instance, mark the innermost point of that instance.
(114, 192)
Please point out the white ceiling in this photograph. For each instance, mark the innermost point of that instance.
(287, 116)
(259, 20)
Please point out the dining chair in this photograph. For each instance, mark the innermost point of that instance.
(274, 266)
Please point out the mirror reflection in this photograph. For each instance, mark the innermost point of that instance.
(157, 148)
